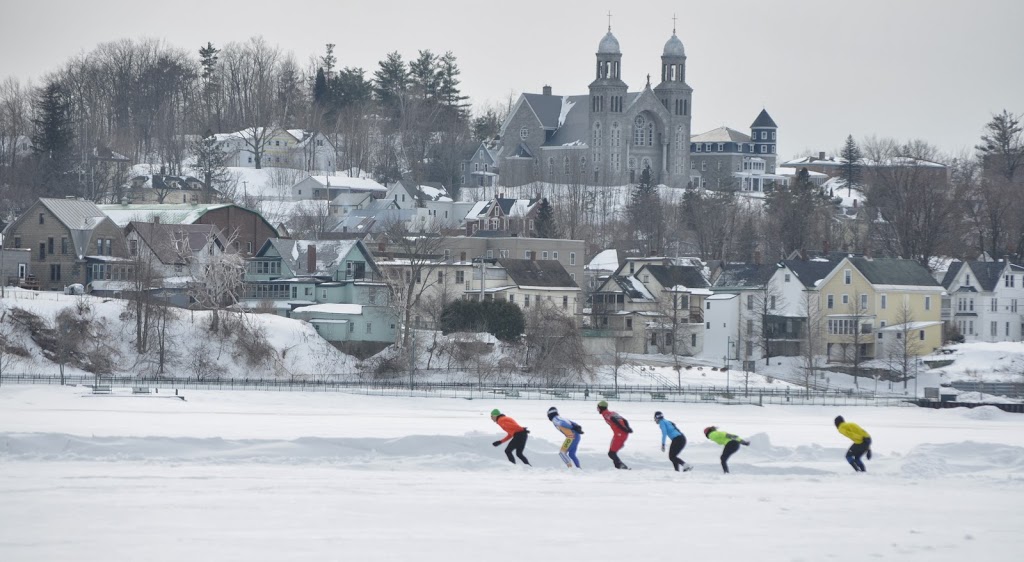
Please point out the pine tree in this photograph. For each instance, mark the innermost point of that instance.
(328, 61)
(391, 82)
(321, 91)
(423, 77)
(486, 126)
(211, 163)
(1004, 140)
(211, 82)
(646, 213)
(351, 87)
(448, 88)
(545, 225)
(851, 167)
(53, 138)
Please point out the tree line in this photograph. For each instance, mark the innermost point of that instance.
(151, 102)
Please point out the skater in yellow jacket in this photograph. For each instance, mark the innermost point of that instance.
(861, 443)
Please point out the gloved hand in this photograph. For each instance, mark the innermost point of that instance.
(662, 448)
(869, 454)
(744, 442)
(526, 431)
(496, 443)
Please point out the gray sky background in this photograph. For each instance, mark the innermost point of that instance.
(932, 69)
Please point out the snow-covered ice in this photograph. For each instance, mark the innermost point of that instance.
(330, 476)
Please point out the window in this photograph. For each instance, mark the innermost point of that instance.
(524, 133)
(928, 303)
(750, 326)
(1013, 305)
(369, 327)
(707, 147)
(846, 299)
(698, 145)
(351, 327)
(787, 278)
(1007, 329)
(440, 277)
(750, 302)
(133, 247)
(49, 246)
(554, 255)
(654, 339)
(54, 272)
(460, 277)
(42, 251)
(863, 302)
(847, 276)
(994, 306)
(830, 302)
(41, 219)
(884, 302)
(993, 329)
(526, 301)
(1008, 280)
(572, 258)
(107, 243)
(721, 147)
(764, 135)
(17, 241)
(565, 302)
(771, 304)
(967, 280)
(544, 255)
(764, 149)
(99, 246)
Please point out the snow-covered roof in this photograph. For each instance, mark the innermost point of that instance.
(167, 214)
(721, 134)
(607, 260)
(332, 308)
(355, 184)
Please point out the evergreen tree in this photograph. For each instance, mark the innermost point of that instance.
(351, 87)
(211, 164)
(448, 87)
(208, 57)
(850, 171)
(391, 82)
(328, 61)
(646, 213)
(208, 60)
(1003, 142)
(423, 77)
(545, 225)
(321, 91)
(53, 138)
(798, 213)
(486, 126)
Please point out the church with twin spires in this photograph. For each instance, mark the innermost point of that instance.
(609, 136)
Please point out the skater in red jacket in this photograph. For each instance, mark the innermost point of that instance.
(620, 432)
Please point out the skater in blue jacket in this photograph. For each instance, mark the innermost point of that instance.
(572, 431)
(678, 441)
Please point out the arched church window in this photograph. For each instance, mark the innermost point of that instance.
(638, 130)
(650, 133)
(616, 135)
(632, 163)
(597, 135)
(551, 167)
(679, 137)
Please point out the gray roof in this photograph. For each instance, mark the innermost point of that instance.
(330, 254)
(763, 120)
(811, 271)
(744, 275)
(547, 108)
(721, 134)
(671, 275)
(537, 273)
(161, 239)
(673, 47)
(81, 217)
(576, 127)
(987, 273)
(609, 45)
(888, 271)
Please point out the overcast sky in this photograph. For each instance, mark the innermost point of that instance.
(932, 69)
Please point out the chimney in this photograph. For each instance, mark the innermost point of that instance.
(821, 156)
(311, 258)
(547, 90)
(156, 219)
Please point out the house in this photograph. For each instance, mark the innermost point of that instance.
(726, 159)
(740, 328)
(159, 188)
(870, 305)
(481, 169)
(503, 215)
(282, 148)
(244, 230)
(173, 250)
(652, 305)
(601, 266)
(66, 238)
(16, 268)
(982, 299)
(330, 186)
(335, 285)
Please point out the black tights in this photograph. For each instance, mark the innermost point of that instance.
(730, 448)
(517, 444)
(673, 451)
(855, 452)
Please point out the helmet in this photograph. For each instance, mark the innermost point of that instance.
(839, 420)
(495, 412)
(552, 412)
(658, 417)
(602, 405)
(708, 430)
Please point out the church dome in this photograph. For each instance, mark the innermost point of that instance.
(609, 45)
(674, 48)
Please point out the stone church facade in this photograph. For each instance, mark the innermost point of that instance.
(607, 137)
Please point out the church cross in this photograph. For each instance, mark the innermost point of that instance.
(673, 24)
(609, 21)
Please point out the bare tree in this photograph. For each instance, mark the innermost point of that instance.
(11, 351)
(901, 355)
(767, 324)
(217, 281)
(813, 329)
(419, 254)
(555, 345)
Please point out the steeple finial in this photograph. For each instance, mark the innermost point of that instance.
(609, 21)
(673, 24)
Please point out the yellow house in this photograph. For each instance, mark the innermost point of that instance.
(880, 308)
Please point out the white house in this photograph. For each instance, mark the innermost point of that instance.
(281, 148)
(985, 300)
(330, 186)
